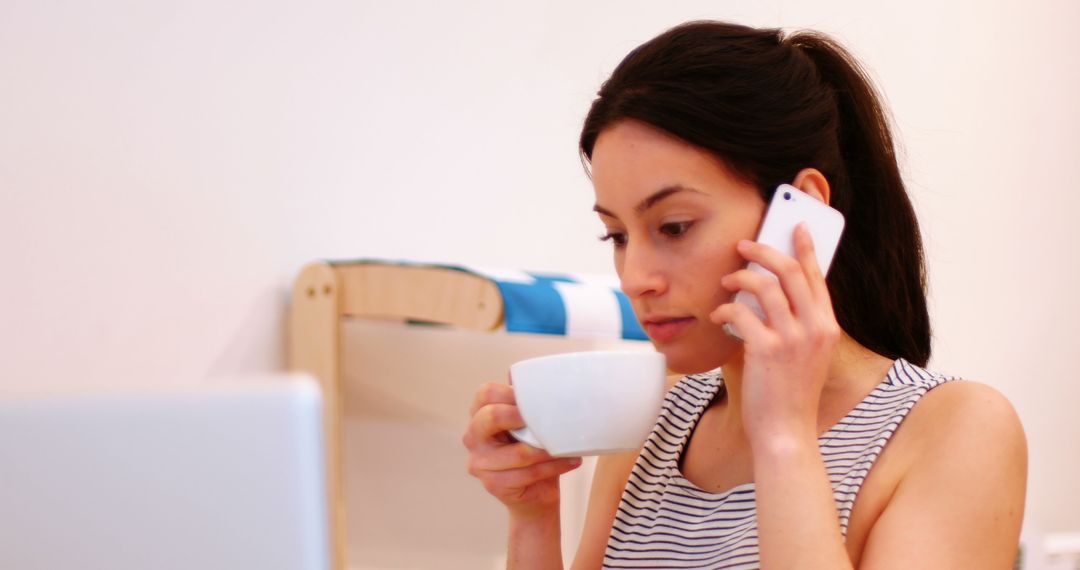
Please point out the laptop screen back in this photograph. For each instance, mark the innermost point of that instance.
(224, 478)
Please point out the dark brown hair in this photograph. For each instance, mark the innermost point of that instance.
(769, 106)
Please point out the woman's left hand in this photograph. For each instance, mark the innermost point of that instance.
(786, 357)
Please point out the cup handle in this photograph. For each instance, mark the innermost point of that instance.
(525, 436)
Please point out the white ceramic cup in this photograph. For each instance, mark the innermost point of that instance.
(588, 403)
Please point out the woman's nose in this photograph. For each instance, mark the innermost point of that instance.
(642, 273)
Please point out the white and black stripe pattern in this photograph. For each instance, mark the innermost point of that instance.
(665, 521)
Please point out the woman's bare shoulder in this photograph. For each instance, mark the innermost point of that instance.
(961, 419)
(960, 410)
(962, 488)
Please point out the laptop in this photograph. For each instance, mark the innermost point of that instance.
(221, 478)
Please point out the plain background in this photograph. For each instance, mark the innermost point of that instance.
(167, 168)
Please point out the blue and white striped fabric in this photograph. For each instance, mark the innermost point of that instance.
(557, 304)
(577, 306)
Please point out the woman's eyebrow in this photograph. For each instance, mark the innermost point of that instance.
(651, 201)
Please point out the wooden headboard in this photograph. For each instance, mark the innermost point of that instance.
(329, 297)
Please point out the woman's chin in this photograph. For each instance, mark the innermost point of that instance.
(684, 359)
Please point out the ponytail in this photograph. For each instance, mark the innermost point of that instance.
(770, 106)
(882, 248)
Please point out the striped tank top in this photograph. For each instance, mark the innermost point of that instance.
(665, 521)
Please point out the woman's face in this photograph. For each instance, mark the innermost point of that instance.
(673, 213)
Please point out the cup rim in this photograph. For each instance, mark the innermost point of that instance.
(557, 355)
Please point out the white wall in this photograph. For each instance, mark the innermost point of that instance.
(165, 168)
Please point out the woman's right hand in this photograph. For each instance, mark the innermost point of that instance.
(522, 477)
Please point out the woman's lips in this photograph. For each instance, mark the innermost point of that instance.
(666, 329)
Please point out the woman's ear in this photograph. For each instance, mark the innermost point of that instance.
(813, 182)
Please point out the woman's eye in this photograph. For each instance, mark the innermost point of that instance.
(617, 239)
(675, 229)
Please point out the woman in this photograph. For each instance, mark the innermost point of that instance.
(784, 450)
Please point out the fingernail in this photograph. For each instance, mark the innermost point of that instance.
(575, 461)
(744, 244)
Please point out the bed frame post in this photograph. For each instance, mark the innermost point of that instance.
(313, 347)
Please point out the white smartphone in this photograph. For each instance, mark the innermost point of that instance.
(788, 208)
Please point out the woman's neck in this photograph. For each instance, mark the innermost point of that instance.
(854, 371)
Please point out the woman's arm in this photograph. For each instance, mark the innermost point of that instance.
(535, 542)
(609, 480)
(785, 361)
(523, 478)
(961, 502)
(798, 525)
